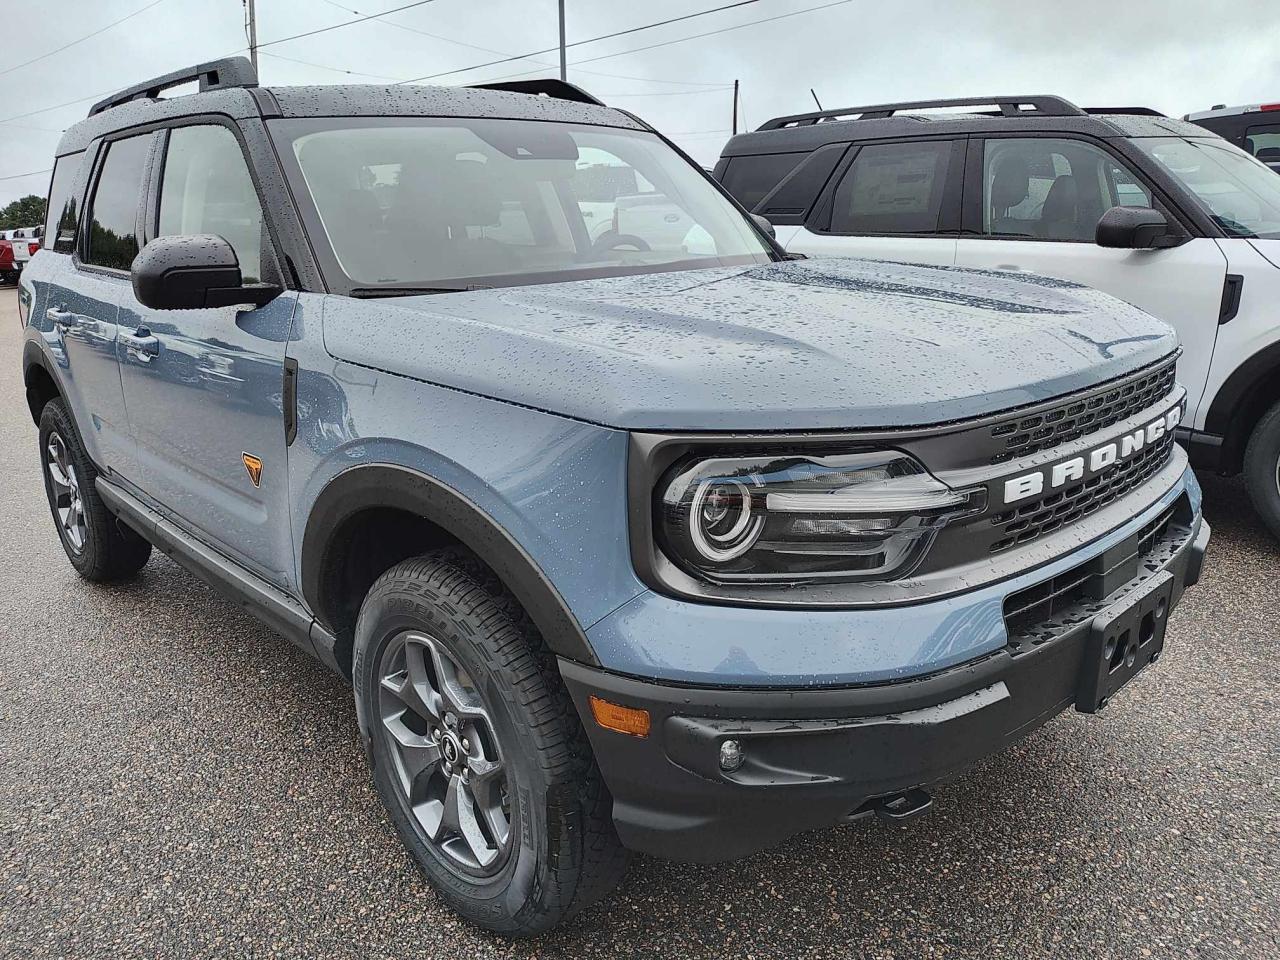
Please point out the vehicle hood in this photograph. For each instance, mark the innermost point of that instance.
(794, 345)
(1270, 249)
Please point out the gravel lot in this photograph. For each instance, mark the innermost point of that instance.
(177, 781)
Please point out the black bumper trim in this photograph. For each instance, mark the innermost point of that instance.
(813, 756)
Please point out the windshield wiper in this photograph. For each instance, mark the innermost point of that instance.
(368, 293)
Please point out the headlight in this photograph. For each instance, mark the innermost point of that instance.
(849, 517)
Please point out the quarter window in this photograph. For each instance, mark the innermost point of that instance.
(1264, 143)
(893, 188)
(750, 179)
(113, 239)
(206, 188)
(61, 213)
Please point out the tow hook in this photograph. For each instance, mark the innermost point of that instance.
(897, 807)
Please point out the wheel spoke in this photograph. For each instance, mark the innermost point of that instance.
(486, 788)
(56, 464)
(460, 819)
(455, 691)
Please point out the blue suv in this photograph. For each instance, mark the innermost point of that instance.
(630, 531)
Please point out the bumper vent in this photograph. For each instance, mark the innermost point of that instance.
(1069, 422)
(1039, 517)
(1040, 613)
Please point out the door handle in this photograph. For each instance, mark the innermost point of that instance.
(142, 345)
(59, 317)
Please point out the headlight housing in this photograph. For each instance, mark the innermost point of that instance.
(799, 518)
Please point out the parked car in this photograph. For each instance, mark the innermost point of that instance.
(670, 550)
(9, 268)
(1254, 128)
(1158, 212)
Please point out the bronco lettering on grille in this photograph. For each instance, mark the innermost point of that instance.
(1091, 461)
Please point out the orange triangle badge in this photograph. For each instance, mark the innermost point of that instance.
(254, 466)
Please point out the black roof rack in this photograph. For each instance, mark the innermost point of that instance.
(549, 87)
(1044, 106)
(214, 75)
(1124, 111)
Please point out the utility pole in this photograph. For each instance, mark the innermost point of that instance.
(564, 67)
(253, 35)
(735, 108)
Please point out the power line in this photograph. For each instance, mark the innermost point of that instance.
(503, 53)
(58, 106)
(578, 43)
(325, 66)
(348, 23)
(19, 176)
(712, 33)
(87, 36)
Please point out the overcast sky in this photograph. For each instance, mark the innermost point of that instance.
(1176, 56)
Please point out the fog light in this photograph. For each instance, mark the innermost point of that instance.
(730, 756)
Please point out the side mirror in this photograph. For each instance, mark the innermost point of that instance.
(1135, 228)
(192, 273)
(764, 224)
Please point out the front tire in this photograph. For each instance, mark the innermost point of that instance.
(1262, 469)
(100, 548)
(476, 749)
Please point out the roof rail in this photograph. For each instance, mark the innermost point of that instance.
(1044, 106)
(548, 87)
(1124, 111)
(214, 75)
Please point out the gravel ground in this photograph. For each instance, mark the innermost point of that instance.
(177, 781)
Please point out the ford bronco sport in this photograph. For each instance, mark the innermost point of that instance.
(669, 544)
(1159, 212)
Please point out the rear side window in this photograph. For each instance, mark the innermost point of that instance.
(113, 239)
(206, 188)
(61, 212)
(749, 179)
(1264, 143)
(893, 188)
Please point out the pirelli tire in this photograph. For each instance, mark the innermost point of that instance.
(1262, 469)
(445, 656)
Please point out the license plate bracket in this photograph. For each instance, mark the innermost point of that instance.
(1123, 639)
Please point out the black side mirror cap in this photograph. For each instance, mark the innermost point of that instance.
(764, 224)
(194, 273)
(1135, 228)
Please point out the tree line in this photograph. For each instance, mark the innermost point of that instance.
(26, 211)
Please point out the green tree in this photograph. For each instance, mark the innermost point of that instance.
(25, 212)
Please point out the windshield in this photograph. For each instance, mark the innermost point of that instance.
(431, 204)
(1241, 194)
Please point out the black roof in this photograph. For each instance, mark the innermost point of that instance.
(229, 87)
(804, 132)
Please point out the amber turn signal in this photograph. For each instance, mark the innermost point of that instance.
(613, 716)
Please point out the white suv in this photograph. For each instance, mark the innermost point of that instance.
(1156, 211)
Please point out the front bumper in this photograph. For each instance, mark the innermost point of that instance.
(815, 756)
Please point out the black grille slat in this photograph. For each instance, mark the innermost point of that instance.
(1030, 521)
(1075, 419)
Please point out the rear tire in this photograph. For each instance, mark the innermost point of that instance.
(1262, 469)
(100, 548)
(477, 751)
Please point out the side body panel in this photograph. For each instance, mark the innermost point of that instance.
(74, 313)
(210, 394)
(1257, 324)
(554, 485)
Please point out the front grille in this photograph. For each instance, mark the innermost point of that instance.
(1040, 613)
(1074, 419)
(1039, 517)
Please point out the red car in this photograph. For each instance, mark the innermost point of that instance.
(8, 268)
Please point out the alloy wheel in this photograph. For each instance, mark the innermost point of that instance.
(448, 764)
(67, 500)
